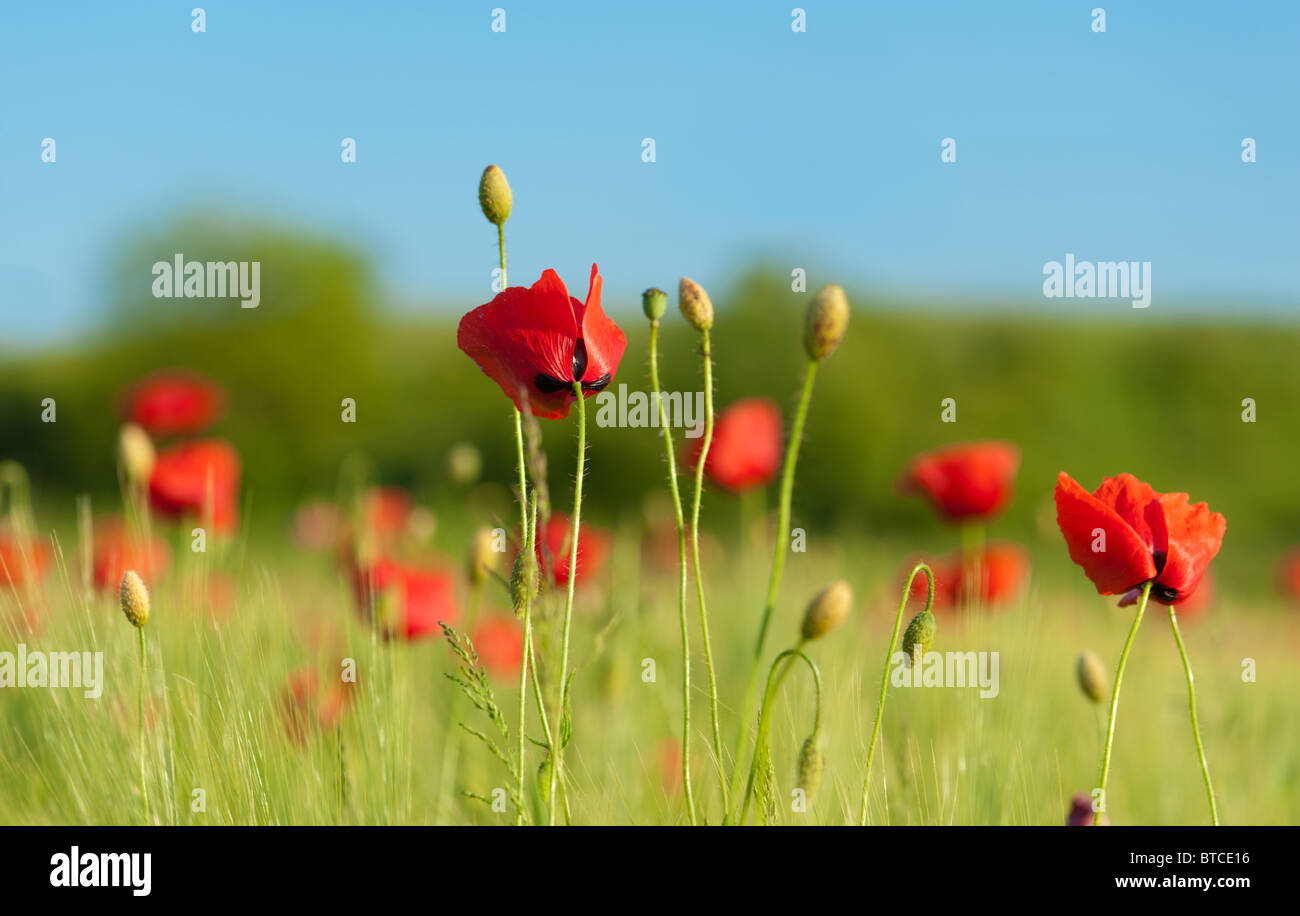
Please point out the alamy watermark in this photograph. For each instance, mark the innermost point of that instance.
(947, 669)
(182, 279)
(639, 409)
(1099, 280)
(84, 670)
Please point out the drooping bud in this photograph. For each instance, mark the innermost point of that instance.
(825, 323)
(812, 762)
(1092, 676)
(482, 558)
(494, 195)
(695, 304)
(523, 581)
(135, 598)
(827, 610)
(137, 453)
(654, 302)
(919, 636)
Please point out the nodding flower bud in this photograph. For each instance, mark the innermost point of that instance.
(482, 558)
(136, 451)
(654, 302)
(135, 598)
(827, 610)
(494, 195)
(812, 762)
(523, 581)
(1092, 676)
(826, 322)
(695, 304)
(919, 636)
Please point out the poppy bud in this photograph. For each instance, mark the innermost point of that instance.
(482, 558)
(827, 610)
(695, 304)
(1092, 676)
(919, 635)
(135, 599)
(654, 302)
(494, 195)
(811, 764)
(136, 451)
(523, 582)
(826, 322)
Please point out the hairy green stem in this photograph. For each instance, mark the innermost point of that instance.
(681, 568)
(1114, 701)
(884, 677)
(774, 680)
(779, 548)
(144, 789)
(1196, 728)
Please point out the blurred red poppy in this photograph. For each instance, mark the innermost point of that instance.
(1126, 534)
(386, 511)
(22, 562)
(116, 550)
(1288, 573)
(967, 480)
(593, 548)
(499, 642)
(185, 476)
(540, 340)
(173, 403)
(746, 448)
(995, 576)
(307, 709)
(407, 601)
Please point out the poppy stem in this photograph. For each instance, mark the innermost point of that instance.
(774, 681)
(1196, 728)
(695, 555)
(144, 789)
(557, 770)
(780, 546)
(1114, 702)
(884, 677)
(681, 566)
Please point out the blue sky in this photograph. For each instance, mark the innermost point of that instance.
(819, 150)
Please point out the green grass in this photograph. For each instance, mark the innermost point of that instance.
(946, 757)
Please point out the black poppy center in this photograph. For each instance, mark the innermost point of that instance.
(549, 384)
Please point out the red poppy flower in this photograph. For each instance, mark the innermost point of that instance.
(1126, 534)
(171, 403)
(1288, 573)
(593, 548)
(499, 642)
(21, 562)
(746, 448)
(186, 476)
(116, 550)
(539, 340)
(408, 601)
(968, 480)
(306, 708)
(994, 577)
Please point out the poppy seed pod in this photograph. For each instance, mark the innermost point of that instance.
(494, 195)
(827, 610)
(1092, 676)
(826, 322)
(135, 598)
(812, 762)
(919, 636)
(523, 582)
(695, 304)
(482, 558)
(136, 451)
(654, 302)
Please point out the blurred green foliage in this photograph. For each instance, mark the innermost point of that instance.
(1150, 392)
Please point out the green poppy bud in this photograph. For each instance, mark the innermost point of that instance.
(812, 763)
(919, 636)
(825, 323)
(695, 304)
(654, 302)
(1092, 676)
(494, 195)
(135, 598)
(827, 610)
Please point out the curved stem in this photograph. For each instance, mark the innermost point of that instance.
(1114, 700)
(557, 747)
(144, 790)
(1196, 728)
(774, 680)
(681, 553)
(779, 548)
(695, 554)
(884, 677)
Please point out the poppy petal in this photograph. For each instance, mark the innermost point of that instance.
(604, 340)
(1194, 537)
(1125, 559)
